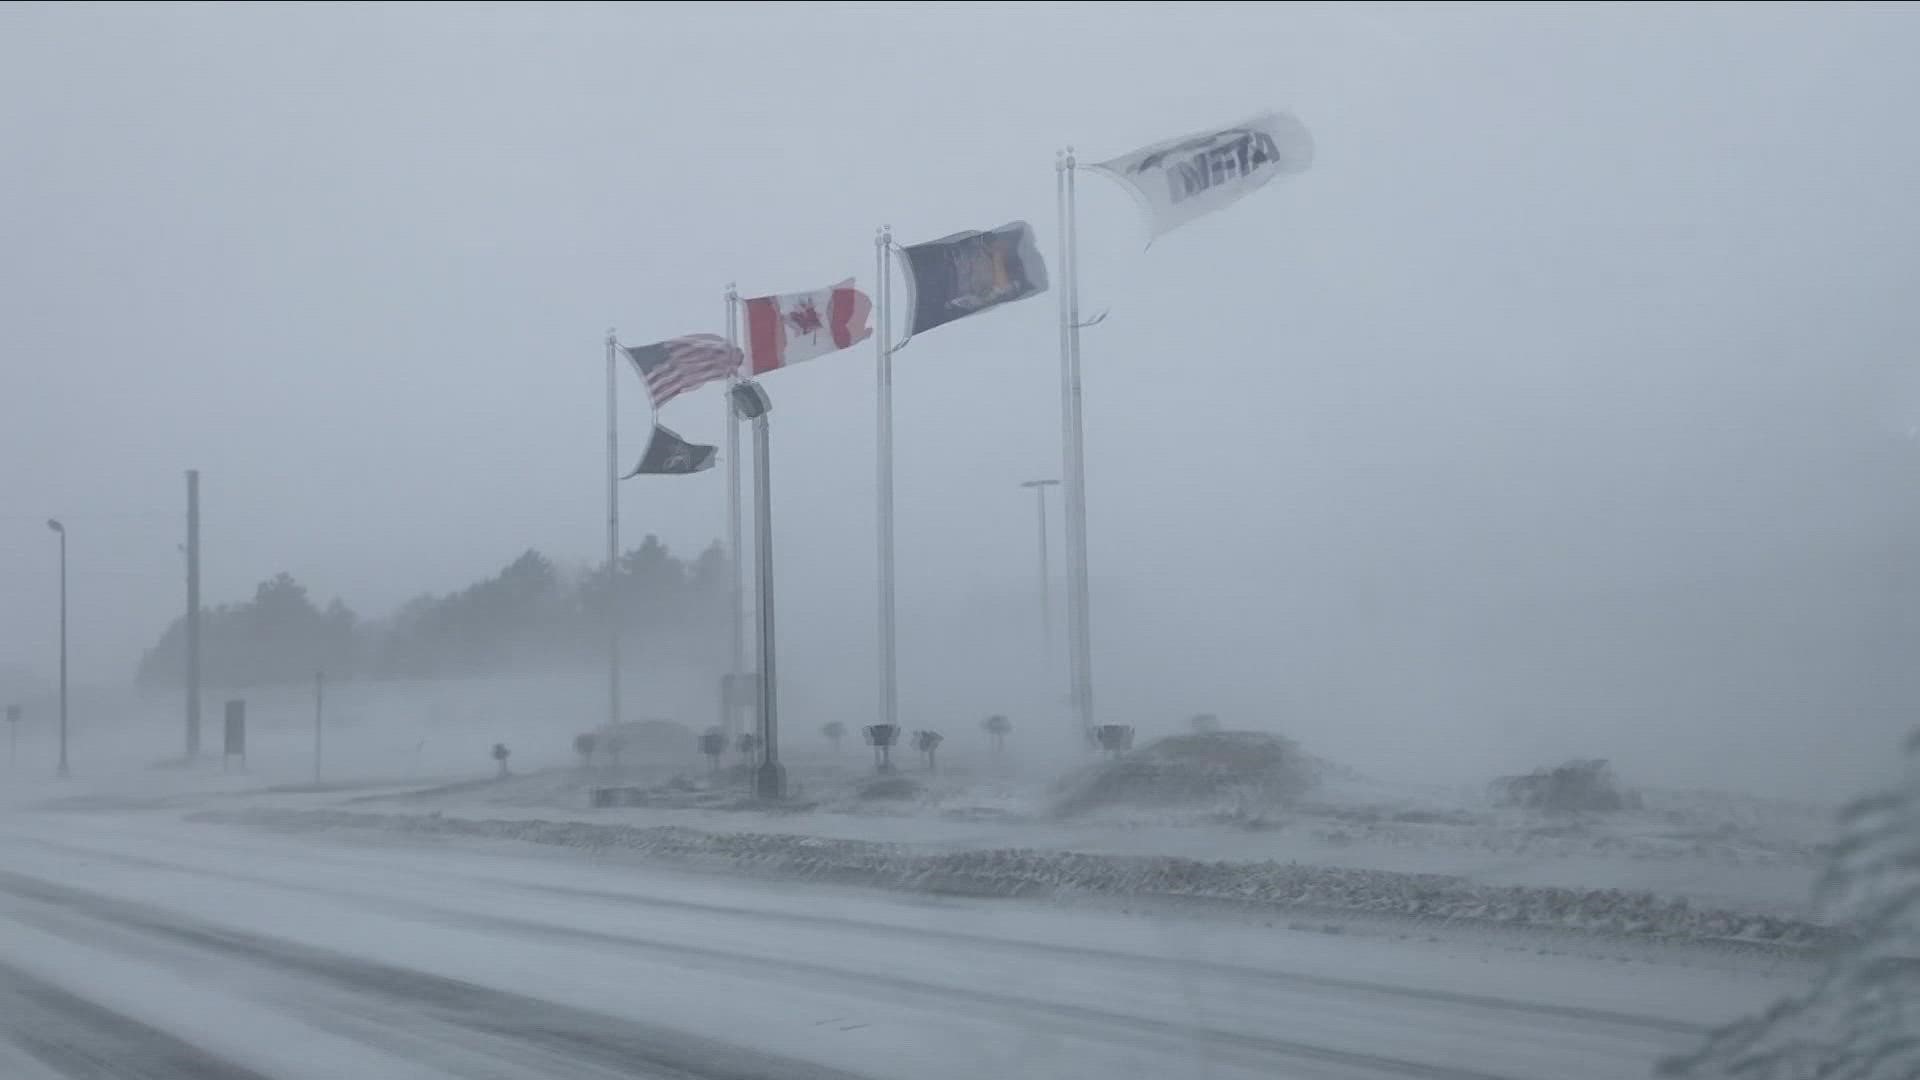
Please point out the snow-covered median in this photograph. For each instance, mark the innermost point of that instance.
(1285, 886)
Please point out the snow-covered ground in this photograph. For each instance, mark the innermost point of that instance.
(393, 921)
(1722, 851)
(204, 951)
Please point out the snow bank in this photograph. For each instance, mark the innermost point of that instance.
(1204, 769)
(1025, 872)
(1577, 787)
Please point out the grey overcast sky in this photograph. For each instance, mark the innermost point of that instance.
(1564, 406)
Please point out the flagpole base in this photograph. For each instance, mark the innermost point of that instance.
(770, 781)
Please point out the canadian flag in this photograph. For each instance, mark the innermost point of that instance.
(783, 330)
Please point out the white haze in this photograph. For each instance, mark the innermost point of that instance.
(1564, 407)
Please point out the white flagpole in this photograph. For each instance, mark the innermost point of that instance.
(883, 353)
(613, 538)
(1066, 433)
(736, 588)
(1076, 485)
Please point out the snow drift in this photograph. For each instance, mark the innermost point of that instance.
(1573, 788)
(1205, 769)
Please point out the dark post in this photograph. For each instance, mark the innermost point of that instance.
(193, 613)
(62, 530)
(319, 682)
(236, 740)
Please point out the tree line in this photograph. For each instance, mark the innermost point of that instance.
(529, 616)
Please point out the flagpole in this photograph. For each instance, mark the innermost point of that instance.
(1066, 434)
(736, 585)
(883, 356)
(613, 539)
(1076, 486)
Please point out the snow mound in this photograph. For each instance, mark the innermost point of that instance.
(1010, 872)
(1203, 769)
(1574, 788)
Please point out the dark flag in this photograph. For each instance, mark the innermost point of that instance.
(677, 365)
(670, 455)
(969, 272)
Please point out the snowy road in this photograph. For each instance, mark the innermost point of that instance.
(139, 946)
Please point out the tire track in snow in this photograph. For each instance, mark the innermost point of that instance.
(1338, 984)
(579, 1035)
(599, 1038)
(1088, 952)
(83, 1039)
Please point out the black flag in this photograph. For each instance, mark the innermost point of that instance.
(969, 272)
(670, 455)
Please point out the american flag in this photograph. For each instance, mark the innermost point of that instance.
(677, 365)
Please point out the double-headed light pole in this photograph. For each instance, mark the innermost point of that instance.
(750, 403)
(54, 524)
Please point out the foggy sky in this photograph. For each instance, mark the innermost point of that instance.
(1564, 406)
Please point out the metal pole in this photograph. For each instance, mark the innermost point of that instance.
(1046, 576)
(1068, 446)
(319, 681)
(771, 782)
(883, 351)
(737, 590)
(193, 613)
(1076, 486)
(1046, 599)
(62, 530)
(613, 541)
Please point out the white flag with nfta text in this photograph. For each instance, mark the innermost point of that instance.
(783, 330)
(1181, 179)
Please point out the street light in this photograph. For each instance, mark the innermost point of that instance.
(55, 525)
(750, 403)
(1046, 579)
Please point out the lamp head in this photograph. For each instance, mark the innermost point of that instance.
(750, 401)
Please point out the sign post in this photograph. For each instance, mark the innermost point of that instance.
(319, 683)
(236, 745)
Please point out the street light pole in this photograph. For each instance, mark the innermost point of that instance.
(1046, 577)
(750, 402)
(62, 530)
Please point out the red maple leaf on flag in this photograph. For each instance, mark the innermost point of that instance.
(805, 319)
